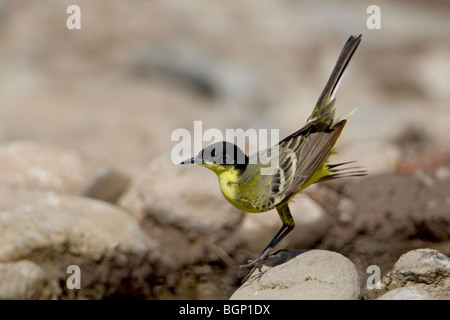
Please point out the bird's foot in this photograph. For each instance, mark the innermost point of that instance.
(258, 262)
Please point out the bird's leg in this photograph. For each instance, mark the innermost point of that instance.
(262, 257)
(288, 225)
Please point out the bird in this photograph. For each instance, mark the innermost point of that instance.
(302, 159)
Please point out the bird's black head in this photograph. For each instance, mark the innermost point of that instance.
(220, 155)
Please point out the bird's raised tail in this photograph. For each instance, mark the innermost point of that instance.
(323, 112)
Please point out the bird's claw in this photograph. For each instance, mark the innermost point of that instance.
(258, 262)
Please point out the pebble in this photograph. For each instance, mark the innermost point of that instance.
(310, 275)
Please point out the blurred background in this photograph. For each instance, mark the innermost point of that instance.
(117, 88)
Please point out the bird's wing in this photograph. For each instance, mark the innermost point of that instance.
(311, 148)
(297, 158)
(270, 187)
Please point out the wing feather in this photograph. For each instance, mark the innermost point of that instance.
(300, 156)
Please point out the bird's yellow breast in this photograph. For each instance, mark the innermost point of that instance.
(229, 182)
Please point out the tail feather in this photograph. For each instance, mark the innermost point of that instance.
(336, 172)
(324, 109)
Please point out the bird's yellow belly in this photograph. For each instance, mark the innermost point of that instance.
(230, 190)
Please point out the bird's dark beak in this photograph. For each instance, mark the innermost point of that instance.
(195, 159)
(188, 161)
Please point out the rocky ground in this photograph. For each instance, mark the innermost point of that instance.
(182, 240)
(87, 178)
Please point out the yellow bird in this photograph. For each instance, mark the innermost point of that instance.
(301, 160)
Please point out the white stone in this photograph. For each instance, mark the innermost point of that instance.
(315, 274)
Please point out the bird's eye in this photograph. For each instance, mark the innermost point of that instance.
(213, 153)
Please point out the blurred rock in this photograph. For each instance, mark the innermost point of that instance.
(434, 69)
(406, 293)
(108, 185)
(46, 166)
(192, 64)
(311, 223)
(315, 274)
(56, 231)
(22, 280)
(425, 161)
(183, 211)
(424, 269)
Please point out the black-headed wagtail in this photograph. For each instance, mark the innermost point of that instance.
(302, 160)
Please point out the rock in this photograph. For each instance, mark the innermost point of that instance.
(108, 185)
(311, 224)
(56, 231)
(424, 269)
(315, 274)
(426, 161)
(183, 210)
(406, 293)
(185, 62)
(21, 280)
(46, 166)
(389, 215)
